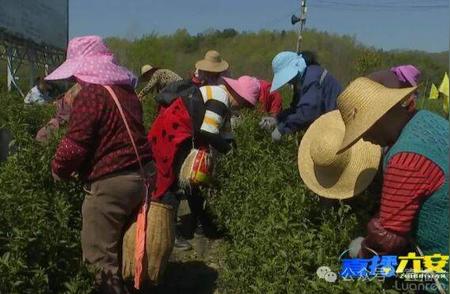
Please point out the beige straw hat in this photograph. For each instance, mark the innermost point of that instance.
(212, 62)
(335, 176)
(363, 103)
(145, 69)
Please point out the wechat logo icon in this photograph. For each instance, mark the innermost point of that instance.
(325, 273)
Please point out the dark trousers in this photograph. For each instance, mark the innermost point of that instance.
(197, 205)
(195, 200)
(194, 197)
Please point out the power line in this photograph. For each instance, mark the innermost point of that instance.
(385, 5)
(388, 3)
(381, 5)
(397, 9)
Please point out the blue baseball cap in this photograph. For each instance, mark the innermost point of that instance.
(286, 65)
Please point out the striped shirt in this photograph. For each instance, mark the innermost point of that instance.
(217, 114)
(408, 179)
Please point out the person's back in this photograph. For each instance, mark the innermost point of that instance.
(39, 94)
(114, 163)
(35, 96)
(156, 80)
(271, 103)
(387, 78)
(62, 114)
(97, 130)
(314, 94)
(329, 88)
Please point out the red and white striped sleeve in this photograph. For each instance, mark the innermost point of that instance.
(408, 179)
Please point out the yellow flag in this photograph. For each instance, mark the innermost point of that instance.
(443, 88)
(434, 93)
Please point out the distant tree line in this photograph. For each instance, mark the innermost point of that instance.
(252, 52)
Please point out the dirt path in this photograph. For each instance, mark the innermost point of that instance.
(194, 271)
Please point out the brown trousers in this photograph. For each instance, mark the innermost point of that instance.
(107, 209)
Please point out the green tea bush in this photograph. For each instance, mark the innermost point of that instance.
(39, 220)
(279, 232)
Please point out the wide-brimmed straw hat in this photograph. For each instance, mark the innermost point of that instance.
(363, 103)
(331, 175)
(212, 62)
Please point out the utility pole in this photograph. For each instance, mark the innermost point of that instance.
(9, 66)
(302, 20)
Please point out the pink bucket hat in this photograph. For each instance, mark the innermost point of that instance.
(247, 87)
(89, 60)
(407, 74)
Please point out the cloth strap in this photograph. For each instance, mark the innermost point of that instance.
(141, 221)
(122, 114)
(322, 99)
(322, 77)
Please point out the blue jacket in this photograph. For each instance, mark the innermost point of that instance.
(310, 100)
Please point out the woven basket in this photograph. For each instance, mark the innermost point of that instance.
(159, 244)
(196, 169)
(184, 178)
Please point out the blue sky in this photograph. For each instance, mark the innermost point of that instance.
(376, 23)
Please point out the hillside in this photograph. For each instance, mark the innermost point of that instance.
(252, 53)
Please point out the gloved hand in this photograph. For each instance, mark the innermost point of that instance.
(276, 135)
(355, 247)
(268, 123)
